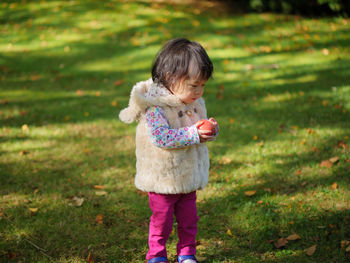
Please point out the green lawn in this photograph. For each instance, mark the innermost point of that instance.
(280, 92)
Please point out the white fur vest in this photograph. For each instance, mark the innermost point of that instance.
(160, 170)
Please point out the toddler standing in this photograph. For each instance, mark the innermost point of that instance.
(172, 157)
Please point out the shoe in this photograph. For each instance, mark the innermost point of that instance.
(158, 260)
(187, 259)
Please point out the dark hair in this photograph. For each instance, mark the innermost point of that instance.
(178, 59)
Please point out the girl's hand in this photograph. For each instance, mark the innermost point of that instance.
(203, 134)
(213, 121)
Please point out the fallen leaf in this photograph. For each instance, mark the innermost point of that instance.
(225, 160)
(118, 82)
(325, 51)
(34, 77)
(255, 137)
(36, 191)
(293, 237)
(232, 120)
(25, 127)
(98, 93)
(260, 202)
(80, 92)
(99, 186)
(298, 172)
(24, 152)
(33, 210)
(250, 193)
(76, 201)
(195, 23)
(89, 258)
(99, 219)
(101, 193)
(344, 244)
(334, 186)
(315, 150)
(342, 144)
(326, 163)
(281, 242)
(310, 131)
(261, 143)
(114, 103)
(141, 193)
(228, 232)
(334, 159)
(311, 250)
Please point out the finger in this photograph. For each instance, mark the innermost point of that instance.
(212, 120)
(204, 132)
(206, 137)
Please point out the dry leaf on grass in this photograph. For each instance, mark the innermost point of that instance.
(334, 186)
(76, 201)
(118, 82)
(311, 250)
(90, 258)
(225, 160)
(80, 92)
(99, 186)
(334, 159)
(281, 242)
(345, 244)
(24, 152)
(326, 163)
(293, 237)
(100, 193)
(33, 210)
(99, 219)
(250, 193)
(342, 144)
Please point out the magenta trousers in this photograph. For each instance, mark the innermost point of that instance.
(163, 207)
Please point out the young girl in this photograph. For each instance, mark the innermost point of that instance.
(172, 157)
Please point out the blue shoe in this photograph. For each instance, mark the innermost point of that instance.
(187, 259)
(158, 259)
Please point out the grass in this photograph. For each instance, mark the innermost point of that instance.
(281, 94)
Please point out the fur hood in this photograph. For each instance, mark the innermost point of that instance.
(145, 94)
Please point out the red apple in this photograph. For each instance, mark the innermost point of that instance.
(207, 126)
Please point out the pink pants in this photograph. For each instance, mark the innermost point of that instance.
(163, 207)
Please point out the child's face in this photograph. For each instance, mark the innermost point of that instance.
(188, 90)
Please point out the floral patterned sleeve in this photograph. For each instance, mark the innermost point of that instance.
(162, 136)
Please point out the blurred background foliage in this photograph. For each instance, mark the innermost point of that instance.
(308, 8)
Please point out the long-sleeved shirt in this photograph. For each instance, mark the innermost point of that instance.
(161, 135)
